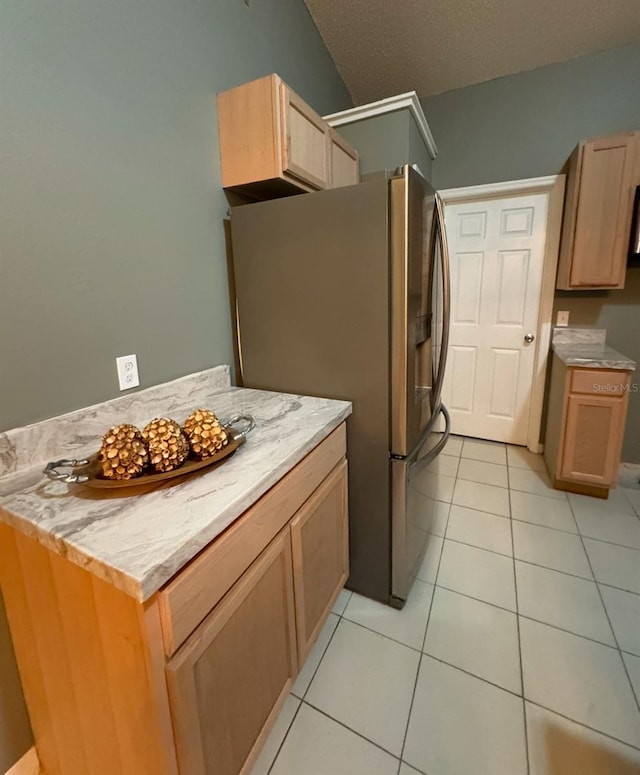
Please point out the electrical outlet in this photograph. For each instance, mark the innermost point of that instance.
(562, 319)
(127, 366)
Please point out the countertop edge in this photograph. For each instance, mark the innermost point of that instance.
(143, 589)
(570, 355)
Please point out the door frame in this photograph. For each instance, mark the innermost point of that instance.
(553, 186)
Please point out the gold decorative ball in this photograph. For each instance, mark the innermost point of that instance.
(123, 454)
(167, 445)
(205, 433)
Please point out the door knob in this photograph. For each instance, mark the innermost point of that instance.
(529, 338)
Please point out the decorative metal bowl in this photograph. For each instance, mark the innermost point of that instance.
(89, 471)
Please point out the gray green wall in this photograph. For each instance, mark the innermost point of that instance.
(15, 733)
(111, 211)
(110, 206)
(526, 125)
(387, 141)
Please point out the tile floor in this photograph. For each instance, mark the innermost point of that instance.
(518, 652)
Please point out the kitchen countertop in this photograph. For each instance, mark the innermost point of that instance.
(137, 542)
(593, 356)
(587, 348)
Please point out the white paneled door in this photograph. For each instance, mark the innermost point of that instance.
(497, 255)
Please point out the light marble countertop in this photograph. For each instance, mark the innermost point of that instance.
(593, 356)
(137, 542)
(587, 348)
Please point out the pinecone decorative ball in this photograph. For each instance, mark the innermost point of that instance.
(123, 454)
(168, 448)
(206, 435)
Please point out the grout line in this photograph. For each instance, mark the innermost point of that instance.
(569, 532)
(423, 654)
(515, 585)
(519, 695)
(304, 694)
(286, 734)
(388, 637)
(569, 632)
(475, 546)
(531, 618)
(530, 562)
(610, 543)
(620, 589)
(354, 731)
(615, 637)
(494, 605)
(582, 724)
(424, 637)
(555, 570)
(477, 599)
(484, 680)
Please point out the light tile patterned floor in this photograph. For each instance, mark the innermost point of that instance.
(518, 652)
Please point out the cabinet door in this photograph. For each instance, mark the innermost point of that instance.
(228, 681)
(343, 162)
(248, 125)
(594, 429)
(304, 135)
(320, 546)
(603, 215)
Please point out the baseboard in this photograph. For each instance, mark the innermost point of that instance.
(582, 489)
(629, 475)
(28, 765)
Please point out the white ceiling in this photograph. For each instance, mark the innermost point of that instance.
(387, 47)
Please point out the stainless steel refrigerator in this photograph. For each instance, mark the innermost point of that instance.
(345, 294)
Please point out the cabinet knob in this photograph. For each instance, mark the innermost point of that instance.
(529, 338)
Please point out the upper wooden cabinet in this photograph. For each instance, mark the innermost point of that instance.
(343, 161)
(272, 143)
(602, 176)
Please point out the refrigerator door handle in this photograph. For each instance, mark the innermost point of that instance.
(446, 300)
(412, 457)
(445, 434)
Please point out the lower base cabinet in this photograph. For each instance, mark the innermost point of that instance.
(228, 681)
(244, 652)
(191, 682)
(320, 546)
(585, 427)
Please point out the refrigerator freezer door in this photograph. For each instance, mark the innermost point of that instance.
(414, 493)
(412, 248)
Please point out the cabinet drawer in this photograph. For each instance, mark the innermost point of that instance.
(596, 382)
(188, 597)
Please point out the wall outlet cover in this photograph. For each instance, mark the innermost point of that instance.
(127, 366)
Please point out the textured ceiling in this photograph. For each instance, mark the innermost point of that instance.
(387, 47)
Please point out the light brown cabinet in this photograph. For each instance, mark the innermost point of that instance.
(192, 680)
(320, 556)
(601, 181)
(236, 668)
(585, 427)
(272, 143)
(343, 161)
